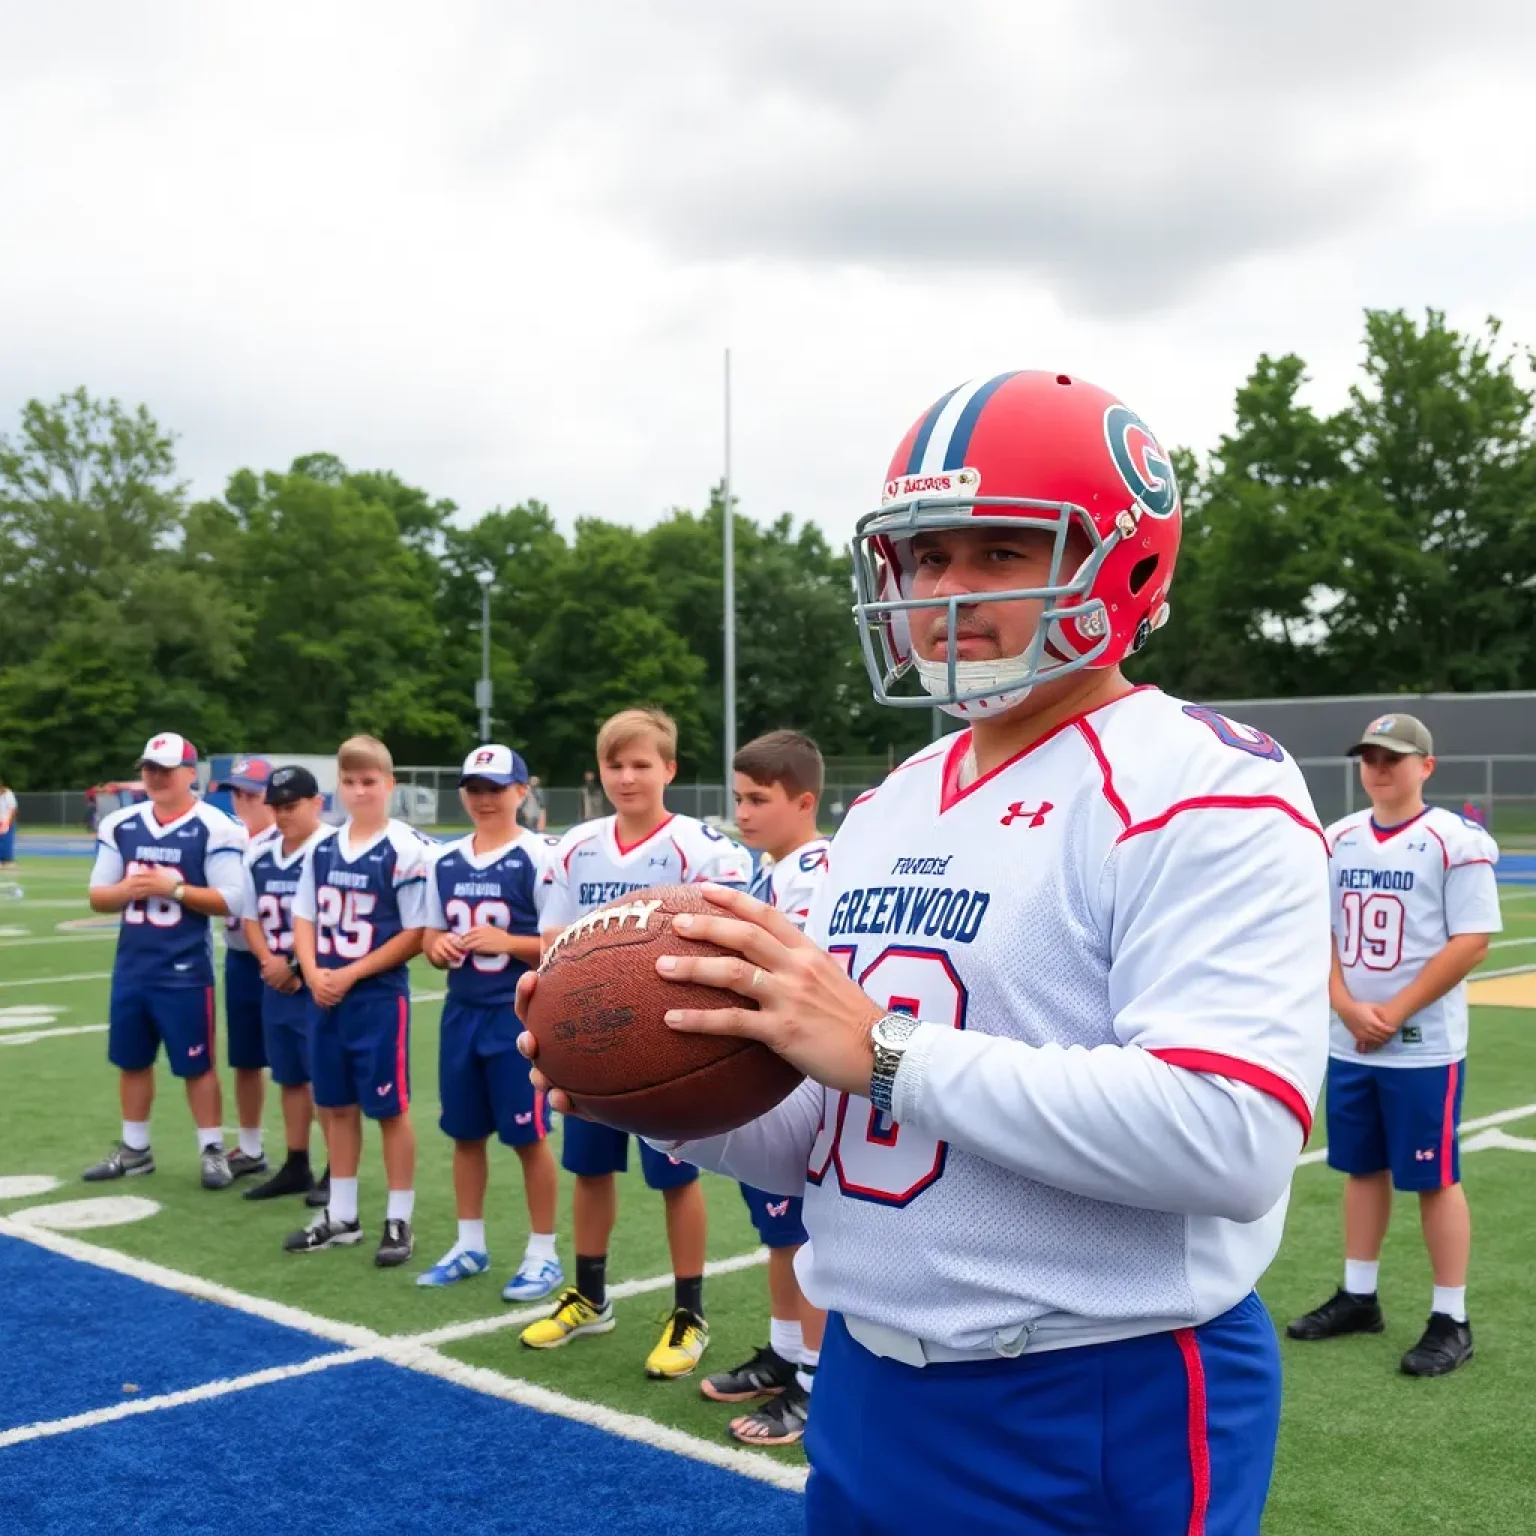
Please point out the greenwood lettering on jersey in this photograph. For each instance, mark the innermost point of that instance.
(952, 913)
(1375, 880)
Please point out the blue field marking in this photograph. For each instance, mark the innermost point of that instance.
(55, 847)
(72, 1335)
(1517, 869)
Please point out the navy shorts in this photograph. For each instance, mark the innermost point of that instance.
(1163, 1435)
(243, 987)
(777, 1217)
(8, 846)
(360, 1053)
(1402, 1118)
(482, 1077)
(140, 1019)
(592, 1150)
(285, 1031)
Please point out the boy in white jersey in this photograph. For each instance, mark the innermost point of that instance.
(594, 863)
(777, 789)
(1414, 904)
(1064, 1039)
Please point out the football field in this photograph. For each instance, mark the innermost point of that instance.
(165, 1366)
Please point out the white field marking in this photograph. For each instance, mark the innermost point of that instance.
(82, 1215)
(453, 1332)
(199, 1394)
(413, 1355)
(27, 1186)
(29, 1015)
(78, 902)
(1494, 1137)
(95, 936)
(1511, 943)
(58, 981)
(428, 997)
(1509, 970)
(32, 1036)
(14, 933)
(1503, 1117)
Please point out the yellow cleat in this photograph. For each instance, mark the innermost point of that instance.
(573, 1314)
(683, 1341)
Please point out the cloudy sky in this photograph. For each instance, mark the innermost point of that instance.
(501, 247)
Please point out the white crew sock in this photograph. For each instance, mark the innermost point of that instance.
(136, 1135)
(1452, 1300)
(541, 1245)
(250, 1141)
(806, 1375)
(343, 1202)
(209, 1136)
(401, 1203)
(471, 1235)
(785, 1339)
(1360, 1276)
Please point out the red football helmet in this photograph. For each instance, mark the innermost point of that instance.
(1042, 449)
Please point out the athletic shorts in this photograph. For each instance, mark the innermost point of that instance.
(141, 1019)
(483, 1078)
(285, 1031)
(1402, 1118)
(243, 987)
(777, 1218)
(591, 1150)
(360, 1053)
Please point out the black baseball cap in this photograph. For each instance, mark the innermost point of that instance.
(289, 784)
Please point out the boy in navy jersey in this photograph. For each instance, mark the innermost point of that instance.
(484, 900)
(247, 786)
(167, 864)
(272, 872)
(357, 921)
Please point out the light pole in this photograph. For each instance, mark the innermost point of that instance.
(483, 687)
(728, 564)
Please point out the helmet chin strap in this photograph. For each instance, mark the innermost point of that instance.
(1002, 684)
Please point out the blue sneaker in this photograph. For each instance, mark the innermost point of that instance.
(457, 1266)
(534, 1278)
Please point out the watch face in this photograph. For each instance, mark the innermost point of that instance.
(895, 1029)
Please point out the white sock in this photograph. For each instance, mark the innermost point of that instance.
(343, 1202)
(250, 1141)
(785, 1339)
(1360, 1276)
(471, 1234)
(541, 1245)
(136, 1135)
(1452, 1300)
(209, 1136)
(805, 1380)
(401, 1203)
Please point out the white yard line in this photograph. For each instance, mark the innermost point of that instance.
(1508, 970)
(96, 935)
(411, 1353)
(1503, 1117)
(58, 981)
(31, 1036)
(1511, 943)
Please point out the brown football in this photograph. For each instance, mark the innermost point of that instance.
(597, 1013)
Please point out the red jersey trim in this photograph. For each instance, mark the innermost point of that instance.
(618, 842)
(1445, 853)
(1111, 794)
(911, 762)
(1386, 834)
(1226, 803)
(1218, 1065)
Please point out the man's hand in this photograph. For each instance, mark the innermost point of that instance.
(444, 950)
(147, 884)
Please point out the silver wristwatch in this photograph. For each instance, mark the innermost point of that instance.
(889, 1038)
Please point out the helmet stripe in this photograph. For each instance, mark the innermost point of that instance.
(960, 437)
(925, 431)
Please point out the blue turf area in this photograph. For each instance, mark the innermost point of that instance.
(366, 1447)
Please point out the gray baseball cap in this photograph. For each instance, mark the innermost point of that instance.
(1397, 733)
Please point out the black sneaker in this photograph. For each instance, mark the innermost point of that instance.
(780, 1421)
(321, 1194)
(323, 1232)
(1343, 1312)
(242, 1163)
(1445, 1347)
(293, 1178)
(766, 1374)
(122, 1162)
(216, 1174)
(397, 1244)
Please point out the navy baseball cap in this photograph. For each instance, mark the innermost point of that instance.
(496, 764)
(251, 773)
(289, 784)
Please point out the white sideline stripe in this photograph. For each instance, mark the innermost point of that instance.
(32, 1036)
(453, 1332)
(1511, 943)
(1503, 1117)
(1509, 970)
(58, 981)
(410, 1353)
(199, 1394)
(60, 938)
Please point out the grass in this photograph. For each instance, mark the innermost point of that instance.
(1363, 1450)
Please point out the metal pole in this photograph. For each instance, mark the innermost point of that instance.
(729, 561)
(483, 692)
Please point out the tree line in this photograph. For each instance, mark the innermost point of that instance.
(1388, 546)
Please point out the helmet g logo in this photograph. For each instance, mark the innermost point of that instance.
(1143, 465)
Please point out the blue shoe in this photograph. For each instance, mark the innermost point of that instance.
(534, 1278)
(457, 1266)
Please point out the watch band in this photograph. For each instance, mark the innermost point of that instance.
(889, 1054)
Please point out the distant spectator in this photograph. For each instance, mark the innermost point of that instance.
(591, 797)
(531, 813)
(1473, 812)
(7, 827)
(90, 809)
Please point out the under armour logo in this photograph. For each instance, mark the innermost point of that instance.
(778, 1207)
(194, 1050)
(1424, 1155)
(383, 1090)
(1018, 810)
(524, 1119)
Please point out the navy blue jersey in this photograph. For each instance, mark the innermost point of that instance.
(271, 883)
(161, 943)
(359, 898)
(502, 888)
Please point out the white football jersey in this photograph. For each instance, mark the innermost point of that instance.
(1398, 898)
(590, 867)
(792, 883)
(1150, 876)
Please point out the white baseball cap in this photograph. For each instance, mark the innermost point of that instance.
(168, 750)
(498, 764)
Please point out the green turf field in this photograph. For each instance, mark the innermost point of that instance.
(1363, 1450)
